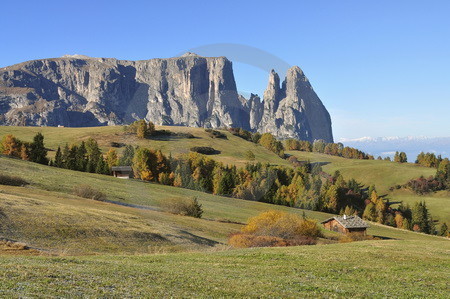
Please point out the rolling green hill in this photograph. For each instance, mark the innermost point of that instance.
(232, 149)
(48, 207)
(129, 246)
(384, 175)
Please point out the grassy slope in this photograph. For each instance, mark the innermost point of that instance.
(385, 174)
(65, 219)
(403, 269)
(232, 149)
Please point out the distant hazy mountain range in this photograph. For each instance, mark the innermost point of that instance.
(412, 146)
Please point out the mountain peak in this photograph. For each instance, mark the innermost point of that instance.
(190, 54)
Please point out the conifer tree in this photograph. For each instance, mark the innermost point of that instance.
(58, 158)
(142, 129)
(38, 152)
(24, 155)
(111, 158)
(81, 157)
(369, 212)
(65, 156)
(127, 156)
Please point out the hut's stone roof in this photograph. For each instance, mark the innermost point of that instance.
(121, 168)
(349, 221)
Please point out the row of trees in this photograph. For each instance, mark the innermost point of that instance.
(34, 151)
(320, 146)
(87, 157)
(400, 157)
(440, 181)
(430, 160)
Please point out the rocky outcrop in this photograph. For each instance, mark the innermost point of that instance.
(189, 91)
(292, 110)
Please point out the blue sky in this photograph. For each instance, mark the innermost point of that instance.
(380, 67)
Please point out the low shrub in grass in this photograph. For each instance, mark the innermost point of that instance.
(205, 150)
(12, 180)
(184, 206)
(87, 191)
(249, 155)
(117, 144)
(242, 240)
(215, 134)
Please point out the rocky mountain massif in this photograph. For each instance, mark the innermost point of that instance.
(189, 91)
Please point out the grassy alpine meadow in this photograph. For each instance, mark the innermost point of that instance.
(406, 269)
(384, 175)
(232, 150)
(130, 246)
(47, 215)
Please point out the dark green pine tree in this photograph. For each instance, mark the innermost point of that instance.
(58, 158)
(65, 156)
(102, 166)
(421, 218)
(226, 183)
(38, 152)
(71, 161)
(127, 157)
(81, 157)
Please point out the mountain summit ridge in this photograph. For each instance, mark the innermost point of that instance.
(191, 90)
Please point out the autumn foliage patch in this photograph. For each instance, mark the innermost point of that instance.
(276, 228)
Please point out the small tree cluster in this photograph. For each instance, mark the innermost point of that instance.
(87, 157)
(268, 141)
(320, 146)
(400, 157)
(34, 151)
(298, 145)
(428, 160)
(141, 128)
(215, 134)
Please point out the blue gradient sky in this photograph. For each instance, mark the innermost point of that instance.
(380, 67)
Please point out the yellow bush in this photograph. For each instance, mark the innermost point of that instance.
(282, 225)
(247, 240)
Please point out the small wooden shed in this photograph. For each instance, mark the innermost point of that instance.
(346, 224)
(122, 172)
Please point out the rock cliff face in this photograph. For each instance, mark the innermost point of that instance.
(189, 90)
(292, 110)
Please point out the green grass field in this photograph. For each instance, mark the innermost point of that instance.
(47, 207)
(101, 249)
(404, 269)
(383, 174)
(232, 149)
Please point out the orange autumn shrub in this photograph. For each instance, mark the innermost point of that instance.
(276, 228)
(282, 225)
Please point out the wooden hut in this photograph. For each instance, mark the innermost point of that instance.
(122, 172)
(346, 224)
